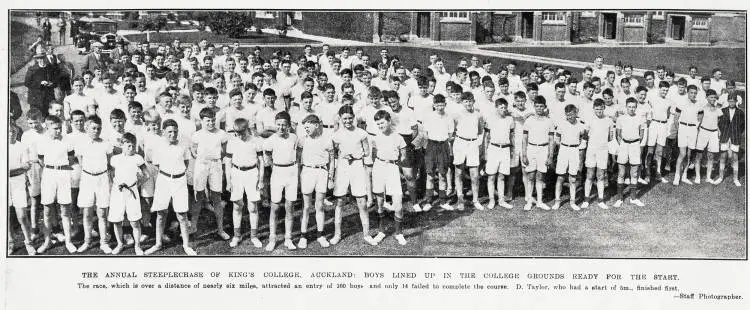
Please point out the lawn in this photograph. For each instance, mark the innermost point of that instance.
(678, 59)
(21, 37)
(250, 38)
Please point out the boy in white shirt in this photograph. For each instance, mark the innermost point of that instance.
(469, 129)
(630, 131)
(599, 129)
(388, 149)
(281, 151)
(499, 139)
(79, 100)
(124, 198)
(570, 135)
(708, 136)
(317, 173)
(18, 164)
(31, 139)
(536, 151)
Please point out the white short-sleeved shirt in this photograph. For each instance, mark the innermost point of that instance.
(283, 151)
(209, 143)
(170, 157)
(31, 140)
(438, 127)
(126, 168)
(79, 102)
(570, 134)
(688, 111)
(349, 142)
(55, 151)
(148, 143)
(404, 120)
(108, 102)
(94, 154)
(660, 108)
(328, 112)
(538, 129)
(718, 86)
(557, 109)
(630, 126)
(644, 111)
(421, 105)
(147, 100)
(599, 129)
(229, 114)
(368, 116)
(467, 124)
(267, 118)
(711, 118)
(500, 128)
(388, 146)
(519, 118)
(17, 155)
(244, 153)
(316, 151)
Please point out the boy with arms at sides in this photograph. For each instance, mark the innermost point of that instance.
(404, 122)
(57, 156)
(708, 136)
(731, 126)
(317, 173)
(388, 151)
(536, 151)
(688, 113)
(281, 151)
(18, 164)
(170, 157)
(75, 136)
(658, 129)
(352, 144)
(599, 130)
(94, 154)
(148, 142)
(244, 174)
(79, 100)
(522, 108)
(570, 134)
(367, 117)
(499, 141)
(124, 200)
(630, 131)
(439, 127)
(31, 140)
(469, 131)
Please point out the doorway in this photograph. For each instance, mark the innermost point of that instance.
(609, 26)
(527, 25)
(678, 27)
(423, 24)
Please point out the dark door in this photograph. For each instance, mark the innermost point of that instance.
(423, 24)
(610, 26)
(527, 25)
(678, 27)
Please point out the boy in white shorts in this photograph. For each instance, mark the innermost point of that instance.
(124, 198)
(208, 147)
(388, 149)
(469, 129)
(18, 164)
(499, 141)
(520, 110)
(31, 139)
(316, 174)
(281, 151)
(570, 134)
(351, 145)
(244, 173)
(367, 116)
(731, 126)
(77, 134)
(536, 151)
(170, 158)
(688, 114)
(658, 129)
(599, 130)
(708, 137)
(57, 156)
(93, 155)
(630, 131)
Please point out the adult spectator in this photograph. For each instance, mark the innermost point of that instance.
(46, 30)
(96, 60)
(41, 80)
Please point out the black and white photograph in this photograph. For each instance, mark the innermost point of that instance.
(612, 134)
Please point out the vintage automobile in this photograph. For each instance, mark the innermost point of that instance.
(101, 29)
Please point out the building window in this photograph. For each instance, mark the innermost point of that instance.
(658, 15)
(264, 14)
(454, 16)
(553, 18)
(588, 14)
(700, 22)
(298, 15)
(504, 13)
(634, 20)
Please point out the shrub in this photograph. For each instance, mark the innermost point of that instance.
(152, 23)
(231, 24)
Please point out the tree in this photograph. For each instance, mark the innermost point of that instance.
(231, 24)
(151, 23)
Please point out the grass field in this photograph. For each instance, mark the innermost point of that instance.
(250, 38)
(21, 37)
(678, 59)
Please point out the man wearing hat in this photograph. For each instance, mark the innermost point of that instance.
(96, 59)
(41, 80)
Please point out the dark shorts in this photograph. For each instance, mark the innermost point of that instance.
(437, 156)
(410, 153)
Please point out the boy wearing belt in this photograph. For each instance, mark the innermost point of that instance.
(570, 134)
(536, 151)
(630, 131)
(281, 151)
(388, 149)
(316, 174)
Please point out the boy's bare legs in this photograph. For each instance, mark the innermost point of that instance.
(272, 226)
(474, 174)
(161, 223)
(398, 218)
(88, 226)
(218, 208)
(320, 218)
(118, 236)
(66, 225)
(23, 219)
(182, 219)
(237, 207)
(306, 206)
(103, 224)
(47, 229)
(137, 237)
(288, 223)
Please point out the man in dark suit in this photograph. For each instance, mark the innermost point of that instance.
(731, 127)
(96, 59)
(41, 80)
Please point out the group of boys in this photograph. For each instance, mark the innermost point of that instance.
(196, 135)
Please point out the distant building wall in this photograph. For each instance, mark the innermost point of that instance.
(344, 25)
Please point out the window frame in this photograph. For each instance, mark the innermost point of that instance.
(455, 16)
(560, 18)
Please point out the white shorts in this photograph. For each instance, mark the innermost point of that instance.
(245, 182)
(190, 171)
(170, 189)
(707, 140)
(313, 180)
(657, 133)
(17, 192)
(147, 187)
(386, 178)
(629, 153)
(350, 176)
(75, 176)
(368, 160)
(537, 156)
(613, 147)
(568, 160)
(207, 172)
(687, 136)
(729, 145)
(597, 157)
(466, 152)
(124, 204)
(35, 179)
(94, 190)
(284, 180)
(56, 186)
(498, 160)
